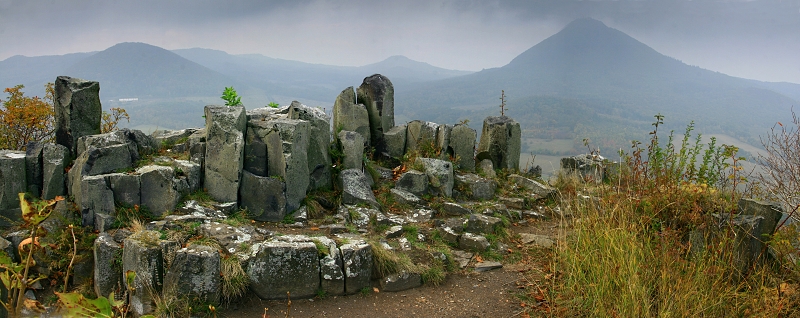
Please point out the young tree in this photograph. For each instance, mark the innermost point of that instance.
(25, 119)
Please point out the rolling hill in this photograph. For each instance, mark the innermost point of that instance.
(613, 79)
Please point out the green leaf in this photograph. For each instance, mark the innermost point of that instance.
(75, 305)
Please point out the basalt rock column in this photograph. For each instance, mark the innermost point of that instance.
(377, 94)
(77, 110)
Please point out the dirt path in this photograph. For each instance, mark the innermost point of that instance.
(487, 294)
(463, 294)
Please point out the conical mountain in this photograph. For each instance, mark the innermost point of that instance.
(613, 76)
(141, 70)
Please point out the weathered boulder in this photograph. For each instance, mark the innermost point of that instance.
(407, 198)
(540, 191)
(474, 187)
(455, 209)
(349, 115)
(330, 266)
(395, 141)
(158, 193)
(107, 265)
(487, 168)
(264, 197)
(77, 110)
(169, 139)
(352, 145)
(421, 136)
(478, 223)
(440, 175)
(587, 166)
(55, 159)
(230, 238)
(319, 160)
(224, 159)
(377, 94)
(126, 188)
(278, 267)
(462, 140)
(473, 242)
(194, 275)
(500, 142)
(189, 175)
(142, 254)
(255, 154)
(13, 182)
(413, 181)
(401, 281)
(137, 142)
(357, 259)
(449, 235)
(355, 188)
(420, 215)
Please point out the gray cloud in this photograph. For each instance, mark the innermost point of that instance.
(754, 39)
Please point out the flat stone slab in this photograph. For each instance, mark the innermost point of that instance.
(487, 266)
(538, 240)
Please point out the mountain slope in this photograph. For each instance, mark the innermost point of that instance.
(142, 70)
(615, 76)
(34, 72)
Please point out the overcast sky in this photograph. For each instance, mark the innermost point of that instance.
(754, 39)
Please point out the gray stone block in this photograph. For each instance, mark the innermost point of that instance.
(319, 159)
(280, 267)
(395, 140)
(350, 116)
(194, 275)
(13, 181)
(377, 94)
(55, 159)
(126, 188)
(225, 127)
(407, 198)
(107, 266)
(355, 188)
(264, 197)
(357, 258)
(478, 223)
(401, 281)
(95, 197)
(142, 254)
(462, 140)
(475, 187)
(473, 242)
(352, 145)
(413, 181)
(440, 175)
(421, 135)
(330, 267)
(158, 193)
(500, 142)
(77, 110)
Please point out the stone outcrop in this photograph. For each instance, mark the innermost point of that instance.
(357, 259)
(77, 110)
(462, 141)
(395, 140)
(377, 94)
(500, 142)
(352, 145)
(355, 188)
(107, 265)
(224, 157)
(13, 181)
(350, 115)
(440, 175)
(319, 159)
(142, 255)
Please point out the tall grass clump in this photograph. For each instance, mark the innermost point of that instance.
(650, 244)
